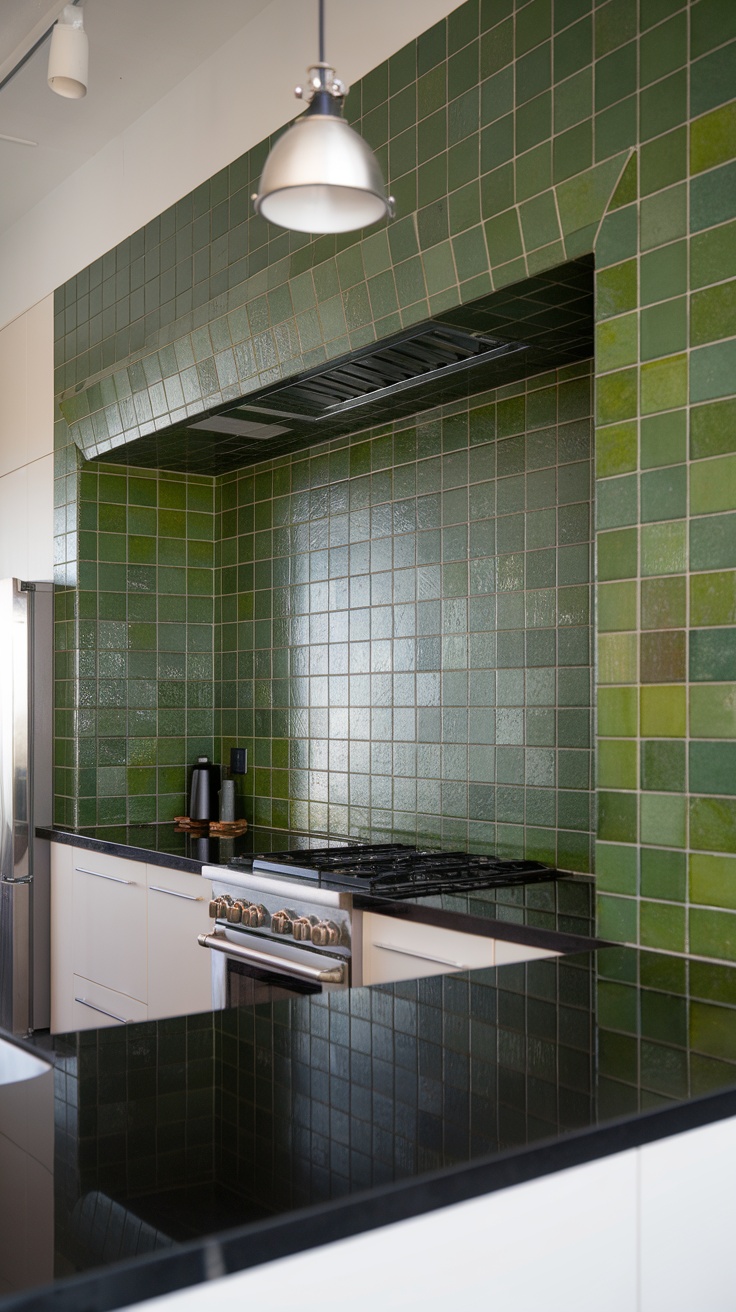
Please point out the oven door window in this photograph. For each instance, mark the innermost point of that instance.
(248, 985)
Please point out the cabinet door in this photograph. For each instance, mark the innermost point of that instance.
(110, 922)
(96, 1008)
(399, 949)
(179, 970)
(62, 938)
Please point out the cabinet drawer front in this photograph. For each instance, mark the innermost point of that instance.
(110, 924)
(96, 1007)
(179, 971)
(400, 949)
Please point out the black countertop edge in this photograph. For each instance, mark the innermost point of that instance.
(76, 838)
(465, 922)
(266, 1241)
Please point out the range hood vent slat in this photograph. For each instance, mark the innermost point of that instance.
(420, 355)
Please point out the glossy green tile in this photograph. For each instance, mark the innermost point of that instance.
(617, 918)
(663, 874)
(664, 494)
(712, 880)
(712, 655)
(664, 548)
(616, 397)
(616, 868)
(713, 711)
(617, 817)
(713, 598)
(711, 934)
(663, 767)
(713, 255)
(713, 824)
(663, 711)
(712, 768)
(713, 138)
(711, 371)
(664, 439)
(617, 554)
(616, 449)
(663, 820)
(617, 764)
(662, 926)
(617, 712)
(663, 603)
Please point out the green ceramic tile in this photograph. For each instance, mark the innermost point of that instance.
(663, 820)
(663, 603)
(617, 606)
(617, 341)
(617, 658)
(663, 711)
(713, 255)
(616, 449)
(664, 548)
(663, 874)
(713, 138)
(712, 880)
(664, 439)
(616, 868)
(712, 655)
(713, 711)
(617, 764)
(712, 768)
(713, 598)
(617, 554)
(617, 918)
(713, 824)
(662, 926)
(712, 934)
(616, 397)
(663, 767)
(618, 712)
(712, 198)
(617, 817)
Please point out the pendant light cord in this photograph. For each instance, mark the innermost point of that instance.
(322, 36)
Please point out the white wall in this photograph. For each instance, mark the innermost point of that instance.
(235, 99)
(26, 444)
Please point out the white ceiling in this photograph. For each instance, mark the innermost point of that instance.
(139, 50)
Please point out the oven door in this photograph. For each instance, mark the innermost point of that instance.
(248, 968)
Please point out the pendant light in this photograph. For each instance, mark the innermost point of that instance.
(321, 176)
(69, 55)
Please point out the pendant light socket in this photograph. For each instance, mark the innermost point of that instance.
(69, 55)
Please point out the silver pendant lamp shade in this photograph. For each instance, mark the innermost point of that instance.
(321, 176)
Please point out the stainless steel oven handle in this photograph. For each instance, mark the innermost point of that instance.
(185, 897)
(423, 956)
(218, 943)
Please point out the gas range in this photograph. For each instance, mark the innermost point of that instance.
(288, 918)
(396, 870)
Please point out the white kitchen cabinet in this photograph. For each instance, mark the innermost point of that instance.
(179, 970)
(124, 940)
(110, 930)
(395, 949)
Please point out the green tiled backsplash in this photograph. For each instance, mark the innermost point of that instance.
(405, 626)
(514, 136)
(397, 626)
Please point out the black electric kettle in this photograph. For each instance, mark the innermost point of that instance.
(205, 787)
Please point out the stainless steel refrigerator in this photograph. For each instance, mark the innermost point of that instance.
(26, 731)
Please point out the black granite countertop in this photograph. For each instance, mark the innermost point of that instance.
(217, 1142)
(163, 845)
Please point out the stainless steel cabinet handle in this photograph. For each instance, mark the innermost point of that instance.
(185, 897)
(84, 1003)
(218, 943)
(114, 879)
(423, 956)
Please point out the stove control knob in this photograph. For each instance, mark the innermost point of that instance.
(254, 916)
(303, 927)
(325, 934)
(214, 908)
(237, 912)
(282, 921)
(219, 906)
